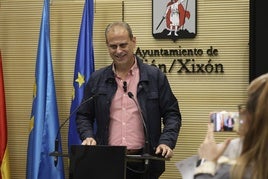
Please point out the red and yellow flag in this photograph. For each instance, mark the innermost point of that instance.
(4, 156)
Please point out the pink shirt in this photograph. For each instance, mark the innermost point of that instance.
(126, 128)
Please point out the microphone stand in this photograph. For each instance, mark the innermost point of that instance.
(56, 152)
(146, 155)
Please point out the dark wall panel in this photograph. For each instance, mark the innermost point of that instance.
(258, 39)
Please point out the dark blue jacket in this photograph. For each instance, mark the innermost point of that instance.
(157, 102)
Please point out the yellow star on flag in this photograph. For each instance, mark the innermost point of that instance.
(80, 79)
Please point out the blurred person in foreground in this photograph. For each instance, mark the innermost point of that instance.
(124, 90)
(251, 163)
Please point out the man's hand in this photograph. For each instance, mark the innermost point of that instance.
(209, 149)
(89, 141)
(164, 150)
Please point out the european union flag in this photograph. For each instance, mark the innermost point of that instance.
(84, 66)
(44, 122)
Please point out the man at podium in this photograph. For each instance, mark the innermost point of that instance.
(132, 105)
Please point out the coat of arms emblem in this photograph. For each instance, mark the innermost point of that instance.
(174, 19)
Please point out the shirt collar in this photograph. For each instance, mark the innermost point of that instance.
(132, 70)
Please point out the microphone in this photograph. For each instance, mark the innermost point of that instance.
(146, 145)
(56, 153)
(125, 86)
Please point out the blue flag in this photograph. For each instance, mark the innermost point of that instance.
(84, 66)
(44, 122)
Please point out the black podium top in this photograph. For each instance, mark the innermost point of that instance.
(97, 162)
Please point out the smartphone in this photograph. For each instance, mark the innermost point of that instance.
(225, 121)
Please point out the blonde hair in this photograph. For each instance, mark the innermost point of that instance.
(254, 156)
